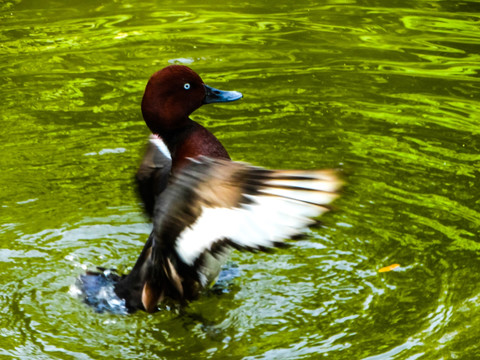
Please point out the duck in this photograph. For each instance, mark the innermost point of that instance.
(203, 205)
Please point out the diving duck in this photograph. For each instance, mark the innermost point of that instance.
(201, 203)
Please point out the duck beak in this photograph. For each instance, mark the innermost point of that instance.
(213, 95)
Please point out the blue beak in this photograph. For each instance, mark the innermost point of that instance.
(213, 95)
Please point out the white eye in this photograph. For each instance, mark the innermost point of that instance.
(186, 86)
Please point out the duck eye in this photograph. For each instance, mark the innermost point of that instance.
(186, 86)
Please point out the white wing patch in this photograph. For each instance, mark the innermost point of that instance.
(266, 221)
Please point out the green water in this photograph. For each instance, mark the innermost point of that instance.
(388, 91)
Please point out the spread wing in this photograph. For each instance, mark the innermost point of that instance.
(216, 204)
(154, 172)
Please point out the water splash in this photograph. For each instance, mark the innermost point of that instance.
(97, 290)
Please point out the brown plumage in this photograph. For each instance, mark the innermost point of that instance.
(202, 204)
(177, 259)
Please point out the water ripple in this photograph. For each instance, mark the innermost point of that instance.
(387, 92)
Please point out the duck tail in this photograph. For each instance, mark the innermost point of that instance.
(153, 278)
(161, 280)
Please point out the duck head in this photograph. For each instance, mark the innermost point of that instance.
(173, 93)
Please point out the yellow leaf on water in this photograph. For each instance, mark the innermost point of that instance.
(389, 268)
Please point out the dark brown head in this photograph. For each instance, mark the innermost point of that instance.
(173, 93)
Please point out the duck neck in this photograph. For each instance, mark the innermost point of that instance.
(173, 137)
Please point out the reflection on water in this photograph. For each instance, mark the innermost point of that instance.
(387, 92)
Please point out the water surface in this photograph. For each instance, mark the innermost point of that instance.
(386, 91)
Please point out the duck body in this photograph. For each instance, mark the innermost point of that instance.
(210, 207)
(203, 204)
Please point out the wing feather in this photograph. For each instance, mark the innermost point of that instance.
(154, 172)
(280, 205)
